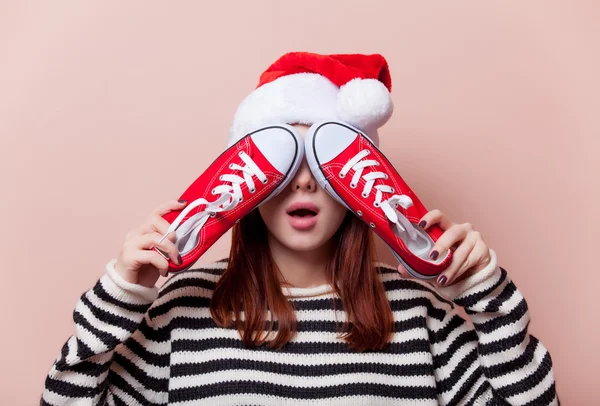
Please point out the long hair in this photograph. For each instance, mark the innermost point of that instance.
(250, 285)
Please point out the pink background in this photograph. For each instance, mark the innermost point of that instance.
(108, 109)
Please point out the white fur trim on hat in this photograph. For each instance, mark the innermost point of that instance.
(365, 103)
(307, 98)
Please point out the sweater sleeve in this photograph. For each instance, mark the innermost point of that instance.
(115, 351)
(499, 361)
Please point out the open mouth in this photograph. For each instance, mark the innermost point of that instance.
(302, 213)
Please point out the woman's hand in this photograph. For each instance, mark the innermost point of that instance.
(138, 262)
(470, 255)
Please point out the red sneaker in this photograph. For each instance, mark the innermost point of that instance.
(356, 173)
(247, 174)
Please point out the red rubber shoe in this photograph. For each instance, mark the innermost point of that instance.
(356, 173)
(247, 174)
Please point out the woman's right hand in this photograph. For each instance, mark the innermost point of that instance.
(138, 262)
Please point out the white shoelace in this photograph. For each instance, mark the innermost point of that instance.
(388, 206)
(231, 195)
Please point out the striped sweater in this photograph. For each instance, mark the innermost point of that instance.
(154, 346)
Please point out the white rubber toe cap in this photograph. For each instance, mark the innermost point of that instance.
(329, 139)
(280, 144)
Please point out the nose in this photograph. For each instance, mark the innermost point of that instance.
(304, 180)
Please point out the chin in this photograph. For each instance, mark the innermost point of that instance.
(301, 243)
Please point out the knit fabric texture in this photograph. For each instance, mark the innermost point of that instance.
(148, 346)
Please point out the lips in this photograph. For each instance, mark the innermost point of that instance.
(302, 215)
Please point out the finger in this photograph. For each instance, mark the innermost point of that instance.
(156, 218)
(154, 258)
(406, 275)
(475, 258)
(435, 216)
(169, 206)
(150, 241)
(158, 224)
(450, 237)
(460, 259)
(403, 272)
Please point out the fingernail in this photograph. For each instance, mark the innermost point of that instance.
(434, 254)
(179, 259)
(422, 224)
(442, 279)
(182, 201)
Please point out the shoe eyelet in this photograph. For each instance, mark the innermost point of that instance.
(365, 195)
(353, 185)
(375, 204)
(213, 214)
(264, 182)
(230, 166)
(252, 190)
(386, 177)
(393, 190)
(212, 191)
(359, 213)
(221, 177)
(341, 175)
(240, 153)
(241, 199)
(372, 225)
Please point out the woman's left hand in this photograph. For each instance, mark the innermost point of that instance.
(470, 255)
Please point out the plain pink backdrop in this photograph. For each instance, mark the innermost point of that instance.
(108, 109)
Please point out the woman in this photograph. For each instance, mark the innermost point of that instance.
(301, 314)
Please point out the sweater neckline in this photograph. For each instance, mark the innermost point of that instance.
(304, 292)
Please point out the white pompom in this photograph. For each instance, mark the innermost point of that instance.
(364, 103)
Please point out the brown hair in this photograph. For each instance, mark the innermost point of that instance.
(250, 285)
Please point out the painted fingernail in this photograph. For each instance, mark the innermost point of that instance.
(442, 280)
(434, 255)
(182, 201)
(179, 259)
(422, 224)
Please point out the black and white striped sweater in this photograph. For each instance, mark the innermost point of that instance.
(148, 346)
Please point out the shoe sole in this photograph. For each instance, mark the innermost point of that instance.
(315, 168)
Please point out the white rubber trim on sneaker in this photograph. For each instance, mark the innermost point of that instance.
(315, 168)
(295, 165)
(313, 162)
(196, 222)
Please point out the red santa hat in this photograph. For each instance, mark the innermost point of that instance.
(303, 87)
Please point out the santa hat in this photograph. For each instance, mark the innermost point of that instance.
(302, 87)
